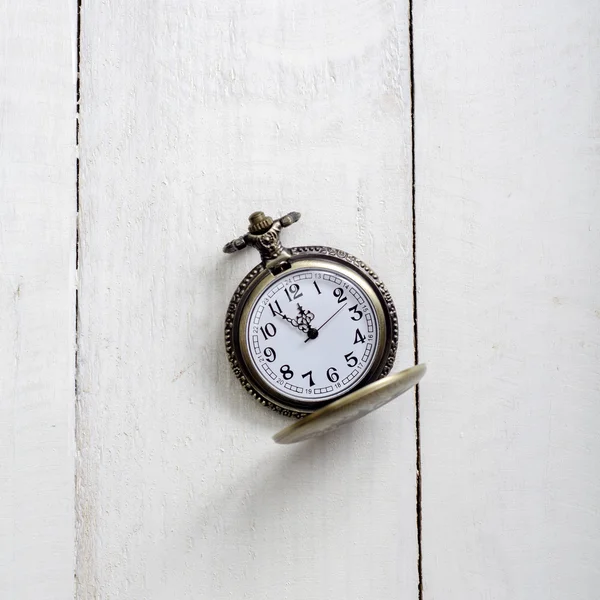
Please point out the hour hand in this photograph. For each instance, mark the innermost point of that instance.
(292, 322)
(284, 317)
(302, 321)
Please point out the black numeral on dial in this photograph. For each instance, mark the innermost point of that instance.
(310, 379)
(318, 289)
(339, 294)
(269, 330)
(359, 338)
(357, 316)
(293, 292)
(332, 374)
(277, 310)
(270, 354)
(351, 360)
(286, 372)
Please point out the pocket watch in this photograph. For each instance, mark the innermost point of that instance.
(311, 331)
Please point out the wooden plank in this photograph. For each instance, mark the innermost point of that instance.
(194, 115)
(508, 249)
(37, 299)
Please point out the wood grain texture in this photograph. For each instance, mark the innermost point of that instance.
(37, 300)
(194, 114)
(508, 256)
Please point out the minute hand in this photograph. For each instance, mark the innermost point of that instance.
(331, 317)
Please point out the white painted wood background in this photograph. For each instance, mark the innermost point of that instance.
(132, 463)
(37, 300)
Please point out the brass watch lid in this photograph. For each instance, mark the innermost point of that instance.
(355, 405)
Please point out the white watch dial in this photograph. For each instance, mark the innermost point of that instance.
(312, 334)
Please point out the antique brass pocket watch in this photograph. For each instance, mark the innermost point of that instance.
(311, 331)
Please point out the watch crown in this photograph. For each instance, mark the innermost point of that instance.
(259, 222)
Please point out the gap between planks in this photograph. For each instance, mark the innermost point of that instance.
(415, 305)
(77, 253)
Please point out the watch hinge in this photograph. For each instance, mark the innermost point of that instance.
(280, 267)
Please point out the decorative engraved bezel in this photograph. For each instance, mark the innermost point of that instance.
(320, 256)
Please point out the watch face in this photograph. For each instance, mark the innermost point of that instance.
(312, 334)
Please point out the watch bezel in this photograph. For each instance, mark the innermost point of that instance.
(257, 279)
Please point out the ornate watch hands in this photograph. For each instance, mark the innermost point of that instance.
(315, 332)
(305, 319)
(284, 317)
(301, 322)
